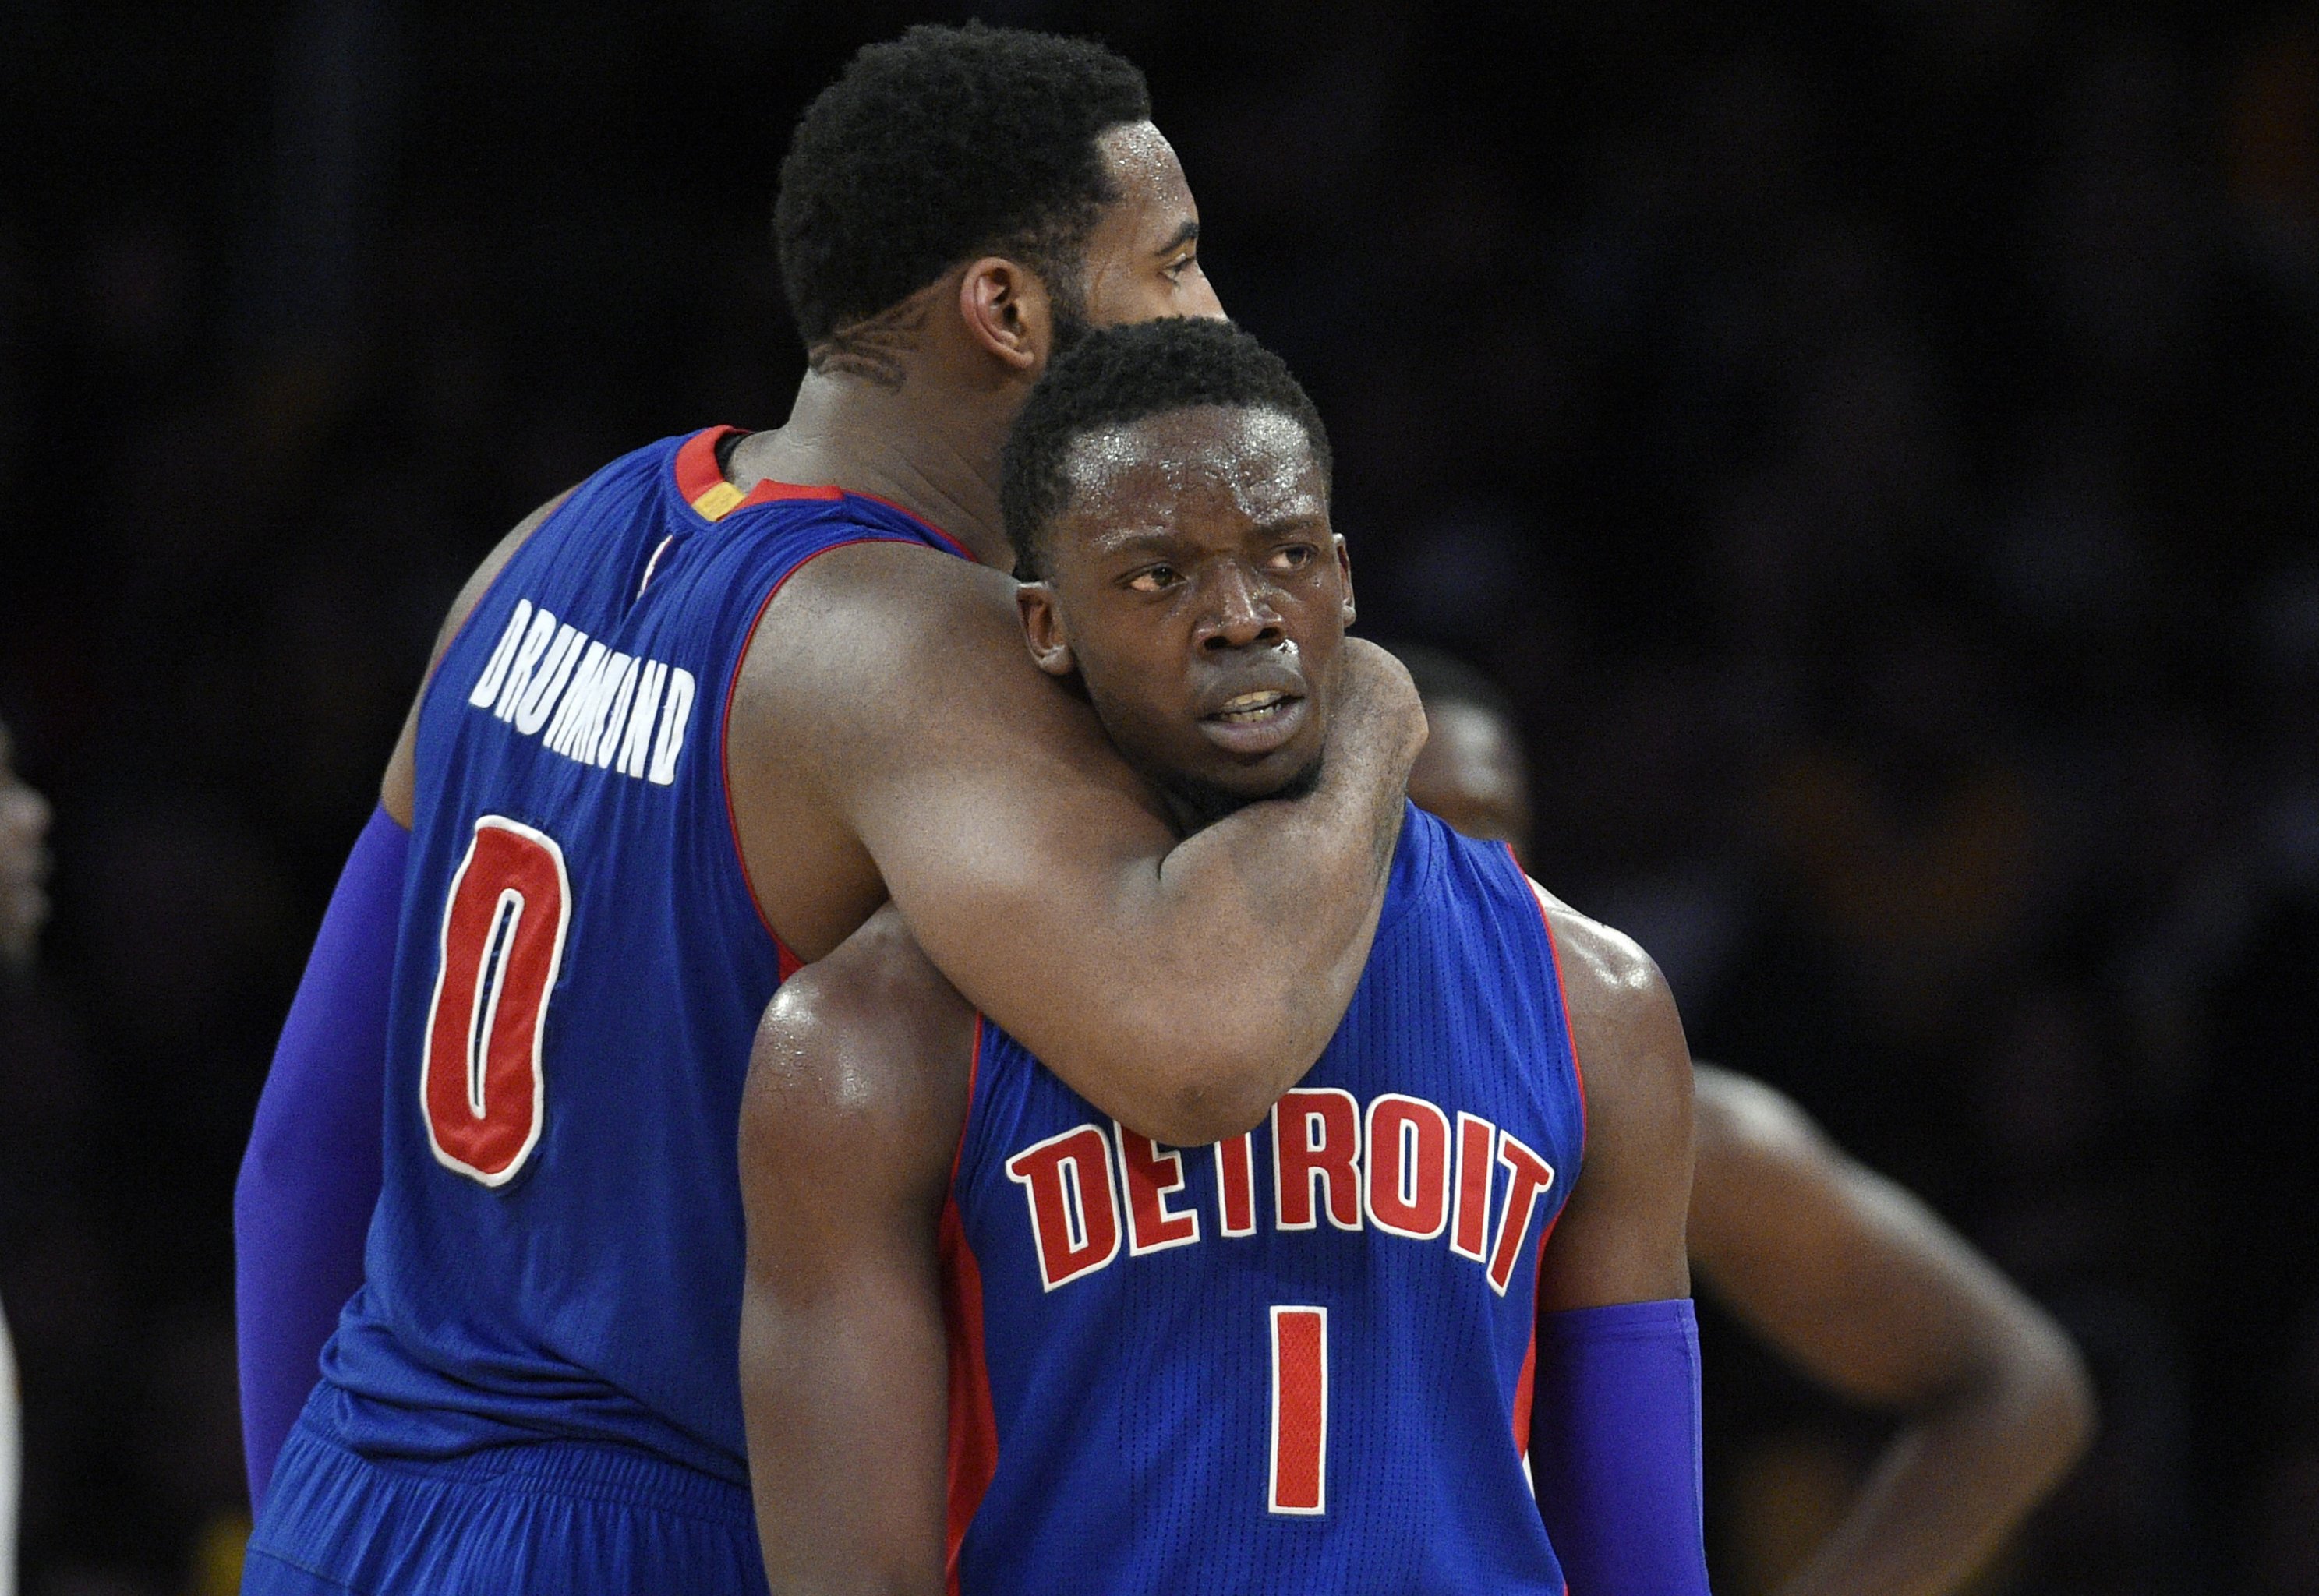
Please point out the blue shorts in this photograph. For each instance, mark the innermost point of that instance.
(568, 1516)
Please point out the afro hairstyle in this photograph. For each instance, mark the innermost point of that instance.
(1123, 375)
(938, 145)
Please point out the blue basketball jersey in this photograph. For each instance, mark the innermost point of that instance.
(1300, 1359)
(557, 1249)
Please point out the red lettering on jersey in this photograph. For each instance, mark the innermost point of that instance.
(502, 943)
(1066, 1179)
(1469, 1234)
(1236, 1184)
(1407, 1166)
(1151, 1174)
(1316, 1135)
(1532, 1178)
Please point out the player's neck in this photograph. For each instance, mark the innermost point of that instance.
(921, 444)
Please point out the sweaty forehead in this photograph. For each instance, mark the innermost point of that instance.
(1145, 173)
(1250, 465)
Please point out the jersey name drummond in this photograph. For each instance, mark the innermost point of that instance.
(615, 711)
(1403, 1166)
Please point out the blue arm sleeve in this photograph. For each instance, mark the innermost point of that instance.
(302, 1203)
(1615, 1448)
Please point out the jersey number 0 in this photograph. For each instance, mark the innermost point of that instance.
(483, 1092)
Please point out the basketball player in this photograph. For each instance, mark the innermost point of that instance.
(692, 723)
(1846, 1274)
(989, 1329)
(24, 818)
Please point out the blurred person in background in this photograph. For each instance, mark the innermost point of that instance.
(24, 910)
(1846, 1274)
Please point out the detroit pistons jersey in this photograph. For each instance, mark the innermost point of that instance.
(1300, 1360)
(557, 1249)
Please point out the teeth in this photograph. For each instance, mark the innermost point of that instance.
(1249, 701)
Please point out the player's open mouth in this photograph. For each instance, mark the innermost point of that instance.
(1251, 725)
(1253, 708)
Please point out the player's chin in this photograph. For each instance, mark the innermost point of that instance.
(1289, 771)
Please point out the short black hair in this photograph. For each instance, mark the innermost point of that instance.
(1122, 374)
(1445, 678)
(938, 145)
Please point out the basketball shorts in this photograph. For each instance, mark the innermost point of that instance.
(570, 1518)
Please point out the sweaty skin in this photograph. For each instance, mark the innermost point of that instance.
(1195, 571)
(1850, 1277)
(888, 740)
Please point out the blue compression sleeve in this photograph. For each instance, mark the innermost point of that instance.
(302, 1207)
(1615, 1448)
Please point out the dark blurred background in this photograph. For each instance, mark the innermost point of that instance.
(1876, 443)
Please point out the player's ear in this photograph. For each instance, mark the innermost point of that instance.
(1044, 629)
(1005, 308)
(1344, 573)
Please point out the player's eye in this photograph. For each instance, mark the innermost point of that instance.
(1189, 261)
(1155, 579)
(1294, 556)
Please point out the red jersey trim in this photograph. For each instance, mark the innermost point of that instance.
(973, 1461)
(1561, 994)
(701, 480)
(1525, 1386)
(1525, 1382)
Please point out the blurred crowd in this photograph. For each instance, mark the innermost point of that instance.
(1876, 443)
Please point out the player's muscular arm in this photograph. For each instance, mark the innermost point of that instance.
(1615, 1420)
(857, 1091)
(1180, 985)
(1862, 1286)
(1620, 1236)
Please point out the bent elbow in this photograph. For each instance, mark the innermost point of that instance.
(1183, 1095)
(2067, 1412)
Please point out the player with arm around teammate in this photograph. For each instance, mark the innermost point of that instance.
(990, 1330)
(1846, 1274)
(690, 725)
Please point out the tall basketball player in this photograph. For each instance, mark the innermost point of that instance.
(992, 1336)
(693, 723)
(1845, 1275)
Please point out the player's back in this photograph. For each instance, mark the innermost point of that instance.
(556, 1252)
(1300, 1360)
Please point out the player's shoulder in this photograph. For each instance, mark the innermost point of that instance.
(860, 1068)
(1603, 967)
(882, 652)
(876, 991)
(1623, 1024)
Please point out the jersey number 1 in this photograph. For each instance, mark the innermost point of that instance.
(1296, 1481)
(503, 943)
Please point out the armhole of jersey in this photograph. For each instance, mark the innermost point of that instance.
(1525, 1384)
(459, 633)
(966, 1120)
(1561, 996)
(789, 961)
(971, 1462)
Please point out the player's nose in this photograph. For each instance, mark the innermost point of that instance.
(1239, 612)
